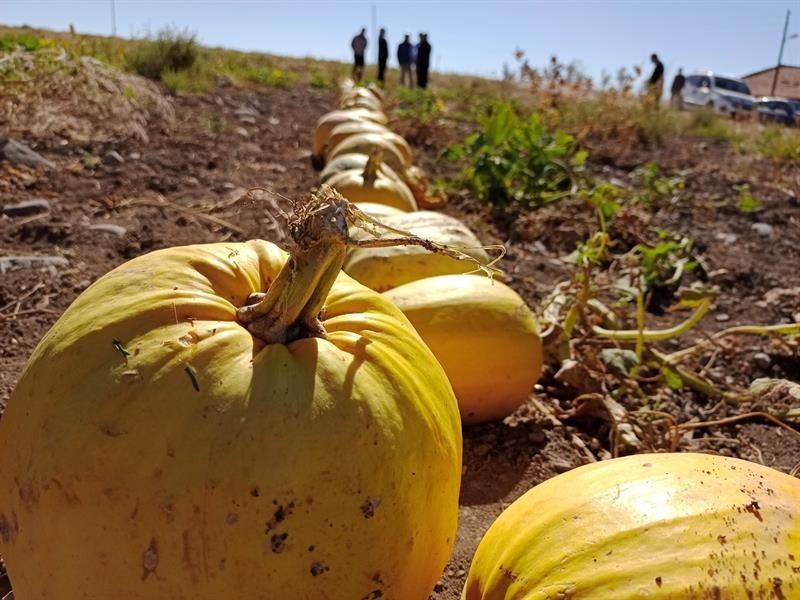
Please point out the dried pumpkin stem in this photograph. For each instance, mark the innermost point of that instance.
(291, 307)
(372, 167)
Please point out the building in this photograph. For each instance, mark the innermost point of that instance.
(788, 85)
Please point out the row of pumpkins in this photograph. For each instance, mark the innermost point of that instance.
(480, 330)
(239, 421)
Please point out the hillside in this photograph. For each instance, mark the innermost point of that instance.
(215, 152)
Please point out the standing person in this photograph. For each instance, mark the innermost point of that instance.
(383, 56)
(677, 90)
(404, 58)
(655, 85)
(423, 60)
(359, 45)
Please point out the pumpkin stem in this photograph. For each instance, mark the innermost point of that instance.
(371, 168)
(291, 307)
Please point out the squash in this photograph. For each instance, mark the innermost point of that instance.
(482, 333)
(350, 162)
(396, 151)
(370, 185)
(345, 130)
(360, 97)
(177, 435)
(328, 121)
(660, 526)
(378, 211)
(385, 268)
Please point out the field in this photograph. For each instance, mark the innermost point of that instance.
(690, 202)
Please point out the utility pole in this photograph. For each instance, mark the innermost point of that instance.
(780, 54)
(113, 19)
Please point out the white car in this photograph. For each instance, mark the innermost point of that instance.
(722, 94)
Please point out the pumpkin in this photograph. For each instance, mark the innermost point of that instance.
(345, 130)
(371, 185)
(661, 526)
(350, 162)
(328, 121)
(385, 268)
(377, 211)
(175, 435)
(360, 97)
(396, 151)
(482, 333)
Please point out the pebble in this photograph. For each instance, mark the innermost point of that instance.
(721, 317)
(764, 229)
(134, 156)
(560, 465)
(31, 262)
(726, 238)
(242, 132)
(117, 230)
(26, 208)
(113, 157)
(762, 359)
(20, 154)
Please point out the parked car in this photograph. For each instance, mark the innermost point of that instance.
(778, 110)
(723, 94)
(795, 104)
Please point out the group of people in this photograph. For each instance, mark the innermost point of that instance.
(414, 59)
(655, 85)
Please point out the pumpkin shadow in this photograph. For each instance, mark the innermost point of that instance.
(499, 457)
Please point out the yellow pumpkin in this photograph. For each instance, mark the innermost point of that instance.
(360, 98)
(169, 440)
(328, 121)
(396, 151)
(351, 128)
(661, 526)
(371, 185)
(378, 211)
(350, 162)
(385, 268)
(482, 333)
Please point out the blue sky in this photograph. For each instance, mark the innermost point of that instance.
(735, 37)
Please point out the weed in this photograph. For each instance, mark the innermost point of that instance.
(421, 105)
(779, 143)
(747, 202)
(170, 50)
(271, 77)
(654, 186)
(517, 163)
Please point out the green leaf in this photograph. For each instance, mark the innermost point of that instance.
(672, 380)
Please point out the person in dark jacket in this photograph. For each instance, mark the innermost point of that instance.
(676, 92)
(359, 45)
(423, 60)
(655, 85)
(383, 55)
(404, 58)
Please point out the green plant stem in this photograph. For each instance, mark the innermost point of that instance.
(788, 329)
(652, 335)
(694, 381)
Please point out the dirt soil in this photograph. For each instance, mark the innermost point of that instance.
(186, 185)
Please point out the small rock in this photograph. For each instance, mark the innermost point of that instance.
(229, 186)
(31, 262)
(117, 230)
(726, 238)
(618, 182)
(721, 317)
(247, 119)
(461, 573)
(275, 168)
(26, 208)
(762, 359)
(561, 465)
(242, 132)
(274, 121)
(113, 157)
(19, 154)
(764, 229)
(249, 148)
(134, 156)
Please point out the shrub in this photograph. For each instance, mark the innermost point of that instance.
(171, 50)
(514, 162)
